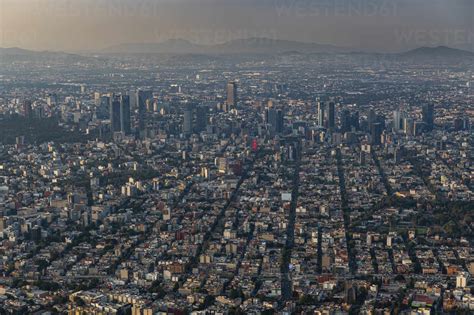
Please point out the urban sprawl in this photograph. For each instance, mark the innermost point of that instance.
(192, 185)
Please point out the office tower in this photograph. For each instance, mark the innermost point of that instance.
(380, 118)
(27, 109)
(331, 108)
(52, 99)
(275, 120)
(232, 94)
(397, 119)
(371, 118)
(376, 133)
(355, 121)
(466, 123)
(345, 120)
(133, 100)
(125, 121)
(201, 118)
(142, 98)
(115, 115)
(427, 112)
(188, 120)
(321, 113)
(270, 116)
(97, 96)
(462, 280)
(279, 123)
(102, 110)
(409, 126)
(104, 105)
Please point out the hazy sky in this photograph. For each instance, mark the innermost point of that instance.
(382, 25)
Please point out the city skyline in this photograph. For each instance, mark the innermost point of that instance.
(234, 157)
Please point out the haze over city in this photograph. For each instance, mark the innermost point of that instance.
(367, 25)
(233, 157)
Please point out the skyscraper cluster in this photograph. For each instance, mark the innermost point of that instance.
(327, 114)
(401, 122)
(194, 118)
(120, 114)
(275, 120)
(349, 120)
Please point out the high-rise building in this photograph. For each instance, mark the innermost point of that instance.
(275, 120)
(27, 109)
(125, 121)
(279, 123)
(461, 280)
(102, 109)
(133, 99)
(201, 118)
(409, 126)
(97, 96)
(321, 113)
(331, 117)
(371, 116)
(376, 133)
(115, 114)
(52, 99)
(427, 112)
(466, 123)
(232, 94)
(380, 118)
(345, 120)
(355, 120)
(142, 97)
(397, 120)
(188, 120)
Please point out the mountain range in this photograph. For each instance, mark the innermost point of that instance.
(266, 46)
(18, 54)
(439, 51)
(241, 46)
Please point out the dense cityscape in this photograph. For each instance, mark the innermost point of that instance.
(236, 185)
(224, 157)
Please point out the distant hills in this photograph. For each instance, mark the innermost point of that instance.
(238, 46)
(267, 46)
(15, 51)
(171, 46)
(18, 54)
(262, 46)
(438, 52)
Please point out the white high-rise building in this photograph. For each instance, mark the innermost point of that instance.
(321, 113)
(397, 118)
(461, 280)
